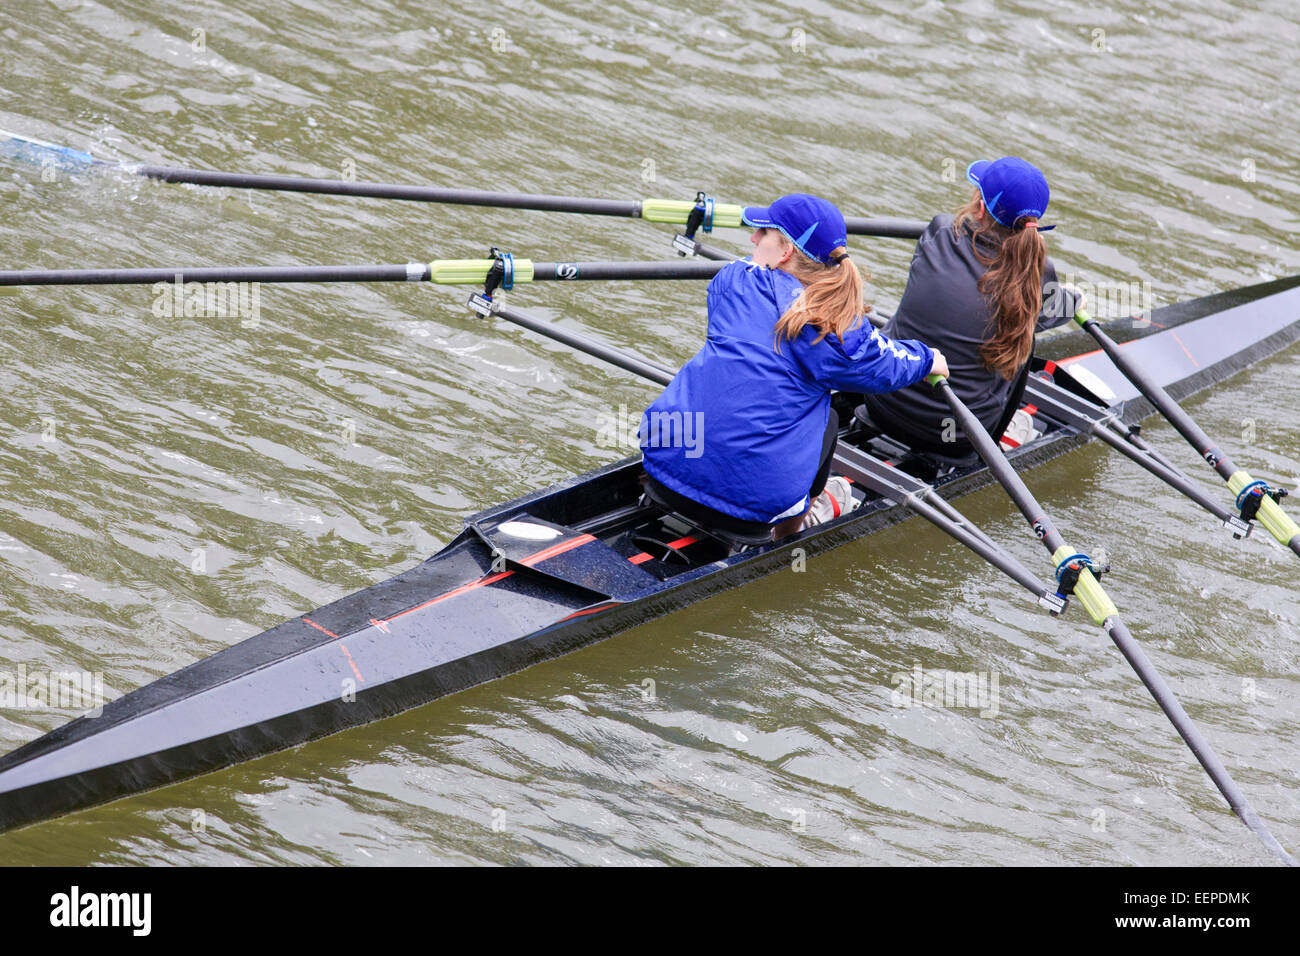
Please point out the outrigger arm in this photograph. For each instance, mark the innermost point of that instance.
(1255, 499)
(1069, 409)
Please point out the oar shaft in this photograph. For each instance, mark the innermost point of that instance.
(1087, 589)
(1157, 396)
(405, 272)
(660, 210)
(433, 194)
(1190, 733)
(669, 269)
(652, 210)
(600, 350)
(885, 228)
(1001, 468)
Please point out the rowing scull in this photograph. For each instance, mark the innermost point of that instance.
(525, 581)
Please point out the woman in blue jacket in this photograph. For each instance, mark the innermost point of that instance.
(742, 438)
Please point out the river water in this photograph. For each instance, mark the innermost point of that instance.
(174, 485)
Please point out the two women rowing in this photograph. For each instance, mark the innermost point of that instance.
(786, 327)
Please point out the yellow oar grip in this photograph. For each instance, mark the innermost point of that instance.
(934, 379)
(676, 211)
(1088, 590)
(1275, 521)
(471, 271)
(1082, 317)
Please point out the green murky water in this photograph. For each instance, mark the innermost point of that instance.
(343, 437)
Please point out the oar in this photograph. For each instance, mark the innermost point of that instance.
(672, 211)
(1255, 498)
(1074, 572)
(440, 271)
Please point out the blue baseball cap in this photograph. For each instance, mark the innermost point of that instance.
(813, 224)
(1012, 189)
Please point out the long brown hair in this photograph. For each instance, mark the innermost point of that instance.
(831, 300)
(1013, 284)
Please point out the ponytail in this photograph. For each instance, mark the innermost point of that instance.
(831, 300)
(1013, 285)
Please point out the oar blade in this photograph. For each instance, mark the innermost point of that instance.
(40, 153)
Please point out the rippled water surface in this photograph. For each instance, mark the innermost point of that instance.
(344, 437)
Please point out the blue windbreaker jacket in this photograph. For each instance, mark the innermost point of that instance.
(740, 427)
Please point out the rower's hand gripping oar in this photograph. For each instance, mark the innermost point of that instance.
(1255, 499)
(1075, 573)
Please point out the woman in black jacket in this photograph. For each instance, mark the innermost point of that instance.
(979, 287)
